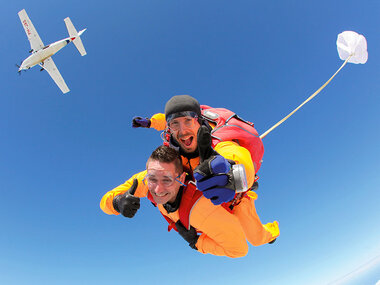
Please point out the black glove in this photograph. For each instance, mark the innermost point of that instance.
(213, 175)
(127, 204)
(204, 142)
(190, 236)
(140, 122)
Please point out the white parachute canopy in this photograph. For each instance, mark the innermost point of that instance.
(351, 44)
(352, 47)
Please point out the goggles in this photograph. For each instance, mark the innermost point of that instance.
(181, 114)
(152, 181)
(188, 122)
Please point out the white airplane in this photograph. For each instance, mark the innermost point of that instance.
(41, 54)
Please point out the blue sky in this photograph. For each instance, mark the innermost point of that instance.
(60, 153)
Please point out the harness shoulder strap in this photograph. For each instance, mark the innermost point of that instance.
(189, 198)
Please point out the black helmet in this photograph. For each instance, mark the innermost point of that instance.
(180, 106)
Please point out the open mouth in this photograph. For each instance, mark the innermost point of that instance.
(187, 141)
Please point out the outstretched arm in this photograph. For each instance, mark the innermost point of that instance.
(157, 122)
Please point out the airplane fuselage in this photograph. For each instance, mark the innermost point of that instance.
(40, 55)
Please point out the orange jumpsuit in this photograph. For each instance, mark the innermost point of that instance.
(221, 231)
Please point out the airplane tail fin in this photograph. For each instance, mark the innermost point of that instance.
(74, 34)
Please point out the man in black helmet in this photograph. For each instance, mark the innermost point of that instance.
(184, 123)
(183, 117)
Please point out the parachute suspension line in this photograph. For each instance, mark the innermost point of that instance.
(307, 100)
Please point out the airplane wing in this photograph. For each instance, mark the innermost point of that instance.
(52, 69)
(33, 37)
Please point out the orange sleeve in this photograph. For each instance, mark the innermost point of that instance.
(232, 150)
(141, 191)
(222, 233)
(158, 122)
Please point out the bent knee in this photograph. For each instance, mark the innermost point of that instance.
(240, 251)
(260, 238)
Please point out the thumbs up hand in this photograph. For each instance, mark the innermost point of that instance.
(213, 175)
(127, 204)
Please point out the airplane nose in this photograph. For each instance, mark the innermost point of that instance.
(19, 67)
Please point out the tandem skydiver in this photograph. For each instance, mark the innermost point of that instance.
(214, 176)
(207, 228)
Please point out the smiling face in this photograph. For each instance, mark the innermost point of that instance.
(163, 181)
(184, 130)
